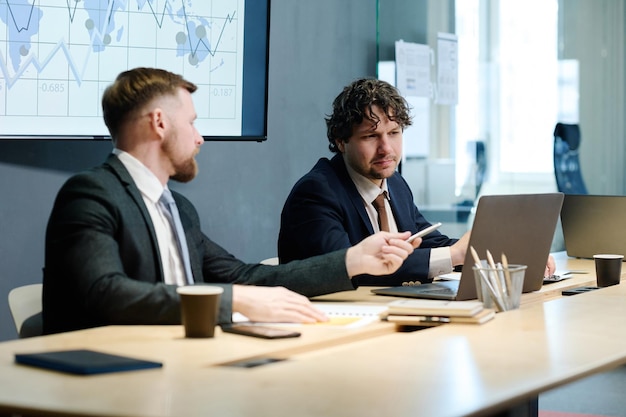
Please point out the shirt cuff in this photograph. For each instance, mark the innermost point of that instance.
(440, 262)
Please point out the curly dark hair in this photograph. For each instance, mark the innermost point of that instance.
(355, 103)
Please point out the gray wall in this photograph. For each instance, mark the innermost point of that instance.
(316, 48)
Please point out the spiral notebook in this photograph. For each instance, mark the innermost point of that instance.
(345, 315)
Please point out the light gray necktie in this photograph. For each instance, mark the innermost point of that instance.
(171, 212)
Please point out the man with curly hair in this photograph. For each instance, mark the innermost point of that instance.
(331, 207)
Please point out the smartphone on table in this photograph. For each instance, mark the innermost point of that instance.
(263, 332)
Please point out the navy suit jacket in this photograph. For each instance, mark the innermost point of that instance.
(102, 263)
(325, 212)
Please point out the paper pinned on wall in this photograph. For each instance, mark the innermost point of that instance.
(412, 76)
(413, 62)
(416, 137)
(447, 69)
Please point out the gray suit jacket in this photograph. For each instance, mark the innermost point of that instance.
(102, 264)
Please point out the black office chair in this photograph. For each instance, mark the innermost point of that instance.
(569, 178)
(477, 176)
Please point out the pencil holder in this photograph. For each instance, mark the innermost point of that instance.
(499, 288)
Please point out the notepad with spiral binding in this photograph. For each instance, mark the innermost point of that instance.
(84, 361)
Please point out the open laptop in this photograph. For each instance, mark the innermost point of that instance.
(521, 226)
(594, 224)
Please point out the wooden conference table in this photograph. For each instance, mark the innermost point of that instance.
(450, 370)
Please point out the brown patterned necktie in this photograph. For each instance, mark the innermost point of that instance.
(379, 205)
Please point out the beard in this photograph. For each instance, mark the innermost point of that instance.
(372, 173)
(375, 175)
(185, 170)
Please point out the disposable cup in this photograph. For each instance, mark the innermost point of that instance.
(199, 307)
(608, 269)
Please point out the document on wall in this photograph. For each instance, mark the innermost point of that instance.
(416, 136)
(447, 69)
(413, 62)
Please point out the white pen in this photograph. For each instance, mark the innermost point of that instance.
(424, 232)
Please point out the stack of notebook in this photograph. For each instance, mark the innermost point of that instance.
(417, 312)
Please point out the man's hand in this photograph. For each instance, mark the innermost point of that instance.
(274, 304)
(459, 249)
(550, 266)
(379, 254)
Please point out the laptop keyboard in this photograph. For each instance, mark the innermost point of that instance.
(440, 291)
(445, 290)
(437, 289)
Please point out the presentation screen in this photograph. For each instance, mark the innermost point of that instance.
(57, 57)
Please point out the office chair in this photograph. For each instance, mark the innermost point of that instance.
(270, 261)
(25, 306)
(569, 178)
(476, 178)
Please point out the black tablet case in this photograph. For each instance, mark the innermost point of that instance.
(84, 361)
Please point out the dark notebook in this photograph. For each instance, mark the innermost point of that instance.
(84, 362)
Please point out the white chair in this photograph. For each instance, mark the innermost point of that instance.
(270, 261)
(25, 306)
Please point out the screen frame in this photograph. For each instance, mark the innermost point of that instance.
(255, 73)
(255, 81)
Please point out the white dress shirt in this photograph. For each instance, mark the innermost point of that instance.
(151, 190)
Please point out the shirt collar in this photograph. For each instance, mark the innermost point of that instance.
(145, 180)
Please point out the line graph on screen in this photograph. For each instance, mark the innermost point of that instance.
(57, 57)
